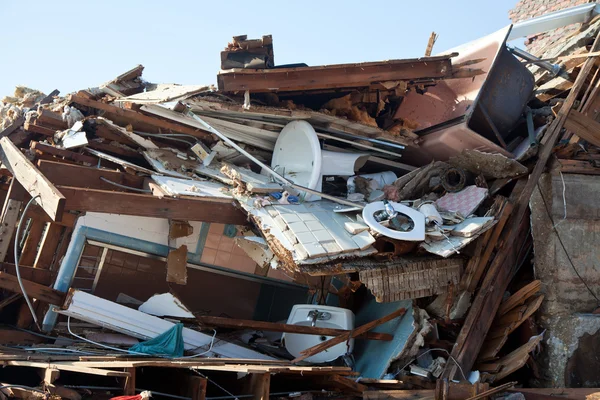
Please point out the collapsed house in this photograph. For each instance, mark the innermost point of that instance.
(307, 231)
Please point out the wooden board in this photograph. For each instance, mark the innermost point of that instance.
(10, 216)
(275, 327)
(62, 153)
(48, 246)
(34, 290)
(334, 76)
(65, 367)
(87, 177)
(34, 182)
(583, 126)
(30, 248)
(135, 118)
(216, 210)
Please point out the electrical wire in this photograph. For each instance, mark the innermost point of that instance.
(27, 299)
(564, 247)
(125, 186)
(428, 351)
(22, 387)
(215, 383)
(212, 341)
(99, 344)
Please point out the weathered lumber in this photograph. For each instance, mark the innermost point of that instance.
(287, 328)
(207, 210)
(334, 76)
(62, 366)
(198, 385)
(48, 246)
(34, 290)
(260, 385)
(346, 336)
(29, 251)
(583, 126)
(66, 154)
(34, 182)
(135, 117)
(487, 301)
(87, 177)
(129, 387)
(10, 215)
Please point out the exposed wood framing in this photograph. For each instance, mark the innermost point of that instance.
(260, 385)
(48, 246)
(34, 290)
(275, 327)
(213, 210)
(134, 117)
(62, 153)
(34, 182)
(334, 76)
(30, 248)
(10, 215)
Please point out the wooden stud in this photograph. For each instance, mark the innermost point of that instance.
(87, 177)
(50, 375)
(48, 246)
(129, 388)
(29, 252)
(63, 153)
(135, 118)
(34, 290)
(198, 385)
(260, 385)
(10, 215)
(275, 327)
(206, 210)
(34, 182)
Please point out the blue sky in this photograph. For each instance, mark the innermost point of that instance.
(71, 45)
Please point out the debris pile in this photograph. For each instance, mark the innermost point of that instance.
(181, 228)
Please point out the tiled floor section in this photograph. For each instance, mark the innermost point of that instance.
(316, 231)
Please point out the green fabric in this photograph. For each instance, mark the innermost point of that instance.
(169, 343)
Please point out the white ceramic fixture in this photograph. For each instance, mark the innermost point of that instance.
(322, 317)
(298, 157)
(418, 219)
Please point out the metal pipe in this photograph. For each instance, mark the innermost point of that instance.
(554, 69)
(582, 13)
(266, 167)
(17, 269)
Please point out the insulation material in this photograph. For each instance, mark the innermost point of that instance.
(465, 202)
(71, 115)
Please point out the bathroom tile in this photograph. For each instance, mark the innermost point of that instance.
(290, 236)
(222, 258)
(301, 253)
(363, 240)
(212, 241)
(307, 217)
(208, 256)
(314, 225)
(298, 227)
(355, 227)
(314, 249)
(322, 236)
(290, 217)
(226, 244)
(343, 238)
(331, 246)
(216, 228)
(280, 223)
(306, 237)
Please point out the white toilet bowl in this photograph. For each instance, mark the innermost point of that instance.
(298, 156)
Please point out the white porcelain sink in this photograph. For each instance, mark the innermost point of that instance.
(326, 317)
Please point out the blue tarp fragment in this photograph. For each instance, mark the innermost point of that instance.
(169, 343)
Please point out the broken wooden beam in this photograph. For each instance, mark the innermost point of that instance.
(216, 210)
(334, 76)
(87, 177)
(34, 290)
(34, 182)
(135, 117)
(287, 328)
(66, 154)
(583, 126)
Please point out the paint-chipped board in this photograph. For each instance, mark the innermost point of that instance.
(177, 265)
(34, 182)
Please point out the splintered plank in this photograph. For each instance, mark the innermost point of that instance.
(34, 290)
(63, 153)
(583, 126)
(87, 177)
(139, 120)
(217, 210)
(34, 182)
(334, 76)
